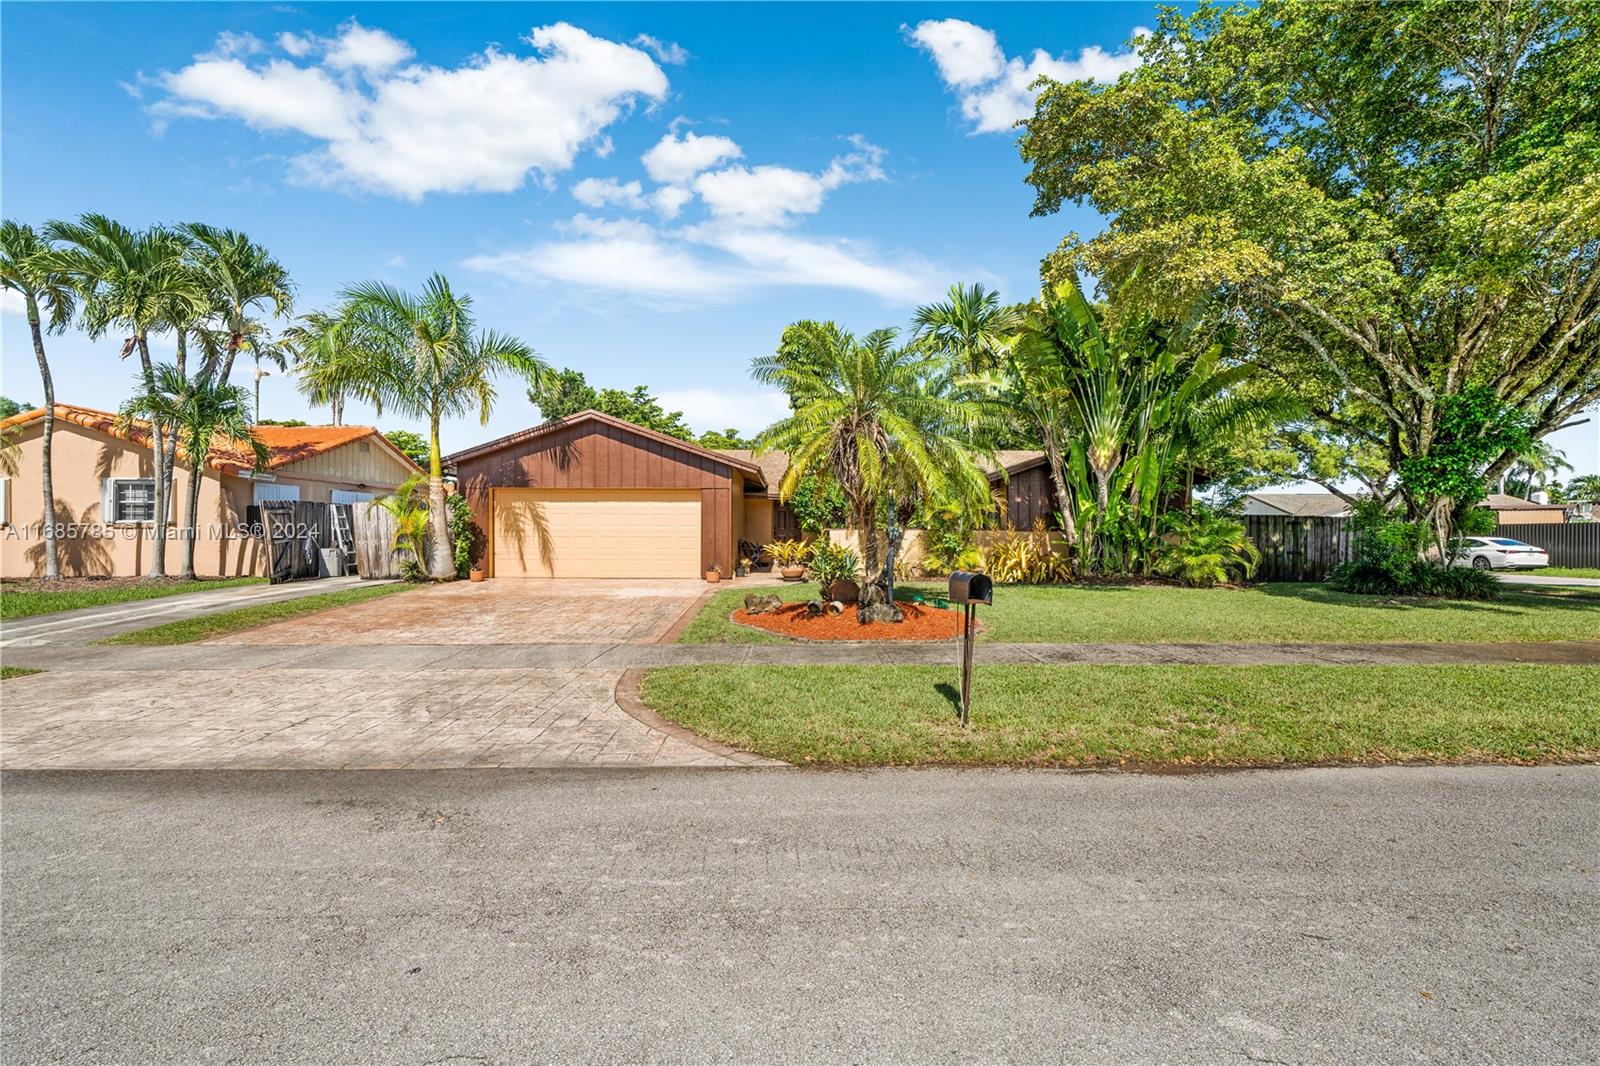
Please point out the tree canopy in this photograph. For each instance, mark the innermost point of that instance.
(567, 392)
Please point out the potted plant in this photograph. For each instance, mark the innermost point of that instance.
(789, 557)
(714, 573)
(836, 570)
(475, 574)
(743, 569)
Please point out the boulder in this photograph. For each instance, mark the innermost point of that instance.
(756, 603)
(879, 612)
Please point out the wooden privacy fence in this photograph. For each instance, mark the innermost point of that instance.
(374, 530)
(1298, 549)
(1570, 544)
(295, 533)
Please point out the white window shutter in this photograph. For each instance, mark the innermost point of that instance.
(108, 498)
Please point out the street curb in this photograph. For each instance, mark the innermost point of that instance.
(632, 704)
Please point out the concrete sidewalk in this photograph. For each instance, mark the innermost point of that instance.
(94, 623)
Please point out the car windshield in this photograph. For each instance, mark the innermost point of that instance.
(1506, 542)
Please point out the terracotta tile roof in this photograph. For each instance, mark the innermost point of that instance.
(285, 444)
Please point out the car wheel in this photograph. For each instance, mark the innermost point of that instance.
(1480, 562)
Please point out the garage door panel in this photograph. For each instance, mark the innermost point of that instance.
(596, 533)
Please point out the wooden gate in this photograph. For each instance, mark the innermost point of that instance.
(1298, 549)
(295, 532)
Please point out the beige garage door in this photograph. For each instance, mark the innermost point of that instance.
(596, 533)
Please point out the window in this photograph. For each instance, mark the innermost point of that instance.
(269, 491)
(347, 496)
(131, 499)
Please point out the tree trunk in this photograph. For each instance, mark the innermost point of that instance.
(192, 519)
(158, 453)
(232, 349)
(443, 559)
(1069, 521)
(52, 556)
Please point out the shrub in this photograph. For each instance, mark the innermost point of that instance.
(1389, 562)
(833, 562)
(785, 553)
(1204, 550)
(1026, 559)
(463, 532)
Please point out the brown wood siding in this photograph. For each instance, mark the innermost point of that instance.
(1030, 496)
(595, 455)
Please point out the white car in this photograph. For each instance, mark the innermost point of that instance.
(1490, 553)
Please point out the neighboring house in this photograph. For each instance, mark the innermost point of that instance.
(1514, 510)
(105, 491)
(1295, 504)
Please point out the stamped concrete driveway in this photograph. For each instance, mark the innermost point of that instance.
(240, 703)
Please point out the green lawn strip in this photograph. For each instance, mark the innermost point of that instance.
(1565, 571)
(190, 630)
(1139, 715)
(7, 672)
(25, 603)
(1272, 613)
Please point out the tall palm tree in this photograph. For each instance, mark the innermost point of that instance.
(197, 411)
(133, 282)
(872, 417)
(317, 341)
(241, 278)
(29, 267)
(971, 327)
(420, 354)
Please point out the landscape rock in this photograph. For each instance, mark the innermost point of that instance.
(879, 612)
(756, 603)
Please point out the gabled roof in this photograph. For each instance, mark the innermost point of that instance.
(285, 444)
(1499, 501)
(744, 466)
(1014, 461)
(773, 465)
(1303, 504)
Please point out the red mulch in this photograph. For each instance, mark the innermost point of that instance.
(921, 623)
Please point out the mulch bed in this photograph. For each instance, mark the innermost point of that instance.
(921, 623)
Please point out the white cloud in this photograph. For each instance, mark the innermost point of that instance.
(669, 52)
(485, 126)
(598, 192)
(675, 160)
(670, 199)
(398, 262)
(780, 258)
(747, 410)
(12, 302)
(966, 54)
(770, 195)
(622, 257)
(994, 91)
(373, 51)
(297, 45)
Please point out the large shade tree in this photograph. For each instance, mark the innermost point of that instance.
(30, 268)
(421, 354)
(1400, 201)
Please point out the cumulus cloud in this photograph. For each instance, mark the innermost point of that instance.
(675, 160)
(409, 129)
(668, 52)
(670, 199)
(771, 195)
(598, 192)
(995, 91)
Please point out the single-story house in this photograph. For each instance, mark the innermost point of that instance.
(104, 489)
(1295, 504)
(594, 496)
(1516, 510)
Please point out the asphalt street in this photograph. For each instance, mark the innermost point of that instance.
(1314, 916)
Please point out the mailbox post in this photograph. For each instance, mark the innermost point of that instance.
(968, 590)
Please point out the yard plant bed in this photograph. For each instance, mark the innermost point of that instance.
(921, 623)
(26, 598)
(1277, 613)
(1139, 716)
(190, 630)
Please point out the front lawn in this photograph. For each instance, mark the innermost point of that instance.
(1565, 571)
(1279, 613)
(1139, 715)
(23, 599)
(205, 627)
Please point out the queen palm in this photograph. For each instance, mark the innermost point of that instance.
(872, 417)
(241, 278)
(316, 342)
(197, 412)
(133, 282)
(420, 354)
(29, 267)
(970, 327)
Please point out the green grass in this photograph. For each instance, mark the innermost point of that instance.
(1272, 613)
(7, 672)
(215, 625)
(35, 599)
(1139, 715)
(1565, 571)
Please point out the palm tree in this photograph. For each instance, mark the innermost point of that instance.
(1585, 488)
(241, 277)
(28, 267)
(419, 353)
(317, 342)
(872, 417)
(198, 412)
(134, 282)
(970, 327)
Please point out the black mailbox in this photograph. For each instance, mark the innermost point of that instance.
(971, 588)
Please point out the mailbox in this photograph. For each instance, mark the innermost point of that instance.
(971, 588)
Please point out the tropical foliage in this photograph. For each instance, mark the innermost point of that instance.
(1027, 558)
(408, 505)
(1204, 549)
(829, 562)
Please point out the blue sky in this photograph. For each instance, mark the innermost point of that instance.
(647, 193)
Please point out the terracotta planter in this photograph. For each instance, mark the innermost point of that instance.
(713, 575)
(475, 575)
(844, 591)
(792, 573)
